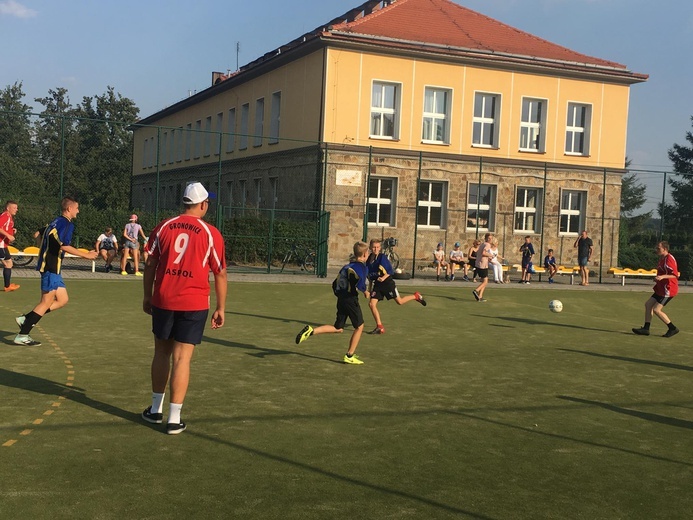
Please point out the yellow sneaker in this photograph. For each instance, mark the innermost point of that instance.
(138, 274)
(353, 360)
(124, 273)
(303, 335)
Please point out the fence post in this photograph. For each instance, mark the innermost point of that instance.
(218, 219)
(324, 177)
(478, 195)
(365, 196)
(661, 213)
(416, 216)
(158, 174)
(543, 211)
(601, 242)
(62, 156)
(270, 239)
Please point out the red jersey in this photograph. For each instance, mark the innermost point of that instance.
(668, 287)
(6, 224)
(187, 249)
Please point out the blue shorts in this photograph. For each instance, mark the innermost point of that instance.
(181, 326)
(582, 261)
(51, 281)
(131, 245)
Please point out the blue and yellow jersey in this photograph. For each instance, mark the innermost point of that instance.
(378, 266)
(58, 233)
(350, 280)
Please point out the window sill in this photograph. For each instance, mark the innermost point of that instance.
(435, 143)
(383, 138)
(374, 225)
(485, 147)
(536, 152)
(568, 154)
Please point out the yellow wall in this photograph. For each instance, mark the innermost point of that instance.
(300, 83)
(350, 75)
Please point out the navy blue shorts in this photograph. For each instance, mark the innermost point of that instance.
(5, 254)
(662, 299)
(182, 326)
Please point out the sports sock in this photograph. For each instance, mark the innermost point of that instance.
(646, 326)
(157, 402)
(30, 319)
(174, 413)
(349, 355)
(671, 325)
(7, 274)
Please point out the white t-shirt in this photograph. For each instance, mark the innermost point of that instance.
(106, 242)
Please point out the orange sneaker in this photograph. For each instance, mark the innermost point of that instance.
(12, 287)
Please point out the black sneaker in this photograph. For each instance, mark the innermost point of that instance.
(476, 294)
(175, 428)
(670, 333)
(154, 418)
(643, 332)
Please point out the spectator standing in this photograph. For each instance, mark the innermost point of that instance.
(471, 258)
(7, 236)
(496, 261)
(585, 247)
(131, 234)
(527, 250)
(182, 252)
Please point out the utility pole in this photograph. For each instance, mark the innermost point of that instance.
(238, 50)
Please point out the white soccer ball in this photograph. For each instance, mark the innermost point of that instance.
(555, 306)
(398, 271)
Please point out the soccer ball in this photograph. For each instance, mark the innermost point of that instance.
(555, 306)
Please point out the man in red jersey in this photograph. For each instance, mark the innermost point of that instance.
(666, 287)
(182, 252)
(7, 233)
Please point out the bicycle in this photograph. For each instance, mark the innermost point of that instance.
(304, 259)
(21, 260)
(388, 250)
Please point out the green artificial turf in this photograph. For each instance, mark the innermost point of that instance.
(497, 410)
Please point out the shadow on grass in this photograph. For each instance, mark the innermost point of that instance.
(43, 386)
(343, 478)
(263, 317)
(531, 321)
(261, 352)
(647, 416)
(630, 359)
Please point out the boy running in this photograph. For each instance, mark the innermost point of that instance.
(7, 233)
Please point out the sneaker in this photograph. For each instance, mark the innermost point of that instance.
(452, 278)
(154, 418)
(379, 329)
(447, 278)
(303, 335)
(420, 298)
(642, 331)
(353, 360)
(19, 320)
(25, 339)
(124, 273)
(140, 274)
(670, 333)
(465, 278)
(11, 287)
(437, 278)
(527, 282)
(550, 280)
(175, 428)
(476, 294)
(482, 300)
(108, 268)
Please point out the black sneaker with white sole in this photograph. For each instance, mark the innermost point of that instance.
(154, 418)
(175, 428)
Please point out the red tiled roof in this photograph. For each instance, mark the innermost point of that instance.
(443, 23)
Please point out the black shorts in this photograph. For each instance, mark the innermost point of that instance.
(348, 308)
(482, 273)
(182, 326)
(5, 254)
(662, 299)
(385, 289)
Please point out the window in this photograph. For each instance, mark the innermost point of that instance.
(188, 140)
(242, 194)
(577, 141)
(229, 193)
(381, 201)
(527, 209)
(245, 114)
(431, 204)
(258, 193)
(163, 150)
(231, 129)
(145, 153)
(179, 145)
(172, 146)
(485, 122)
(219, 129)
(275, 113)
(259, 121)
(572, 212)
(197, 145)
(481, 207)
(384, 107)
(208, 136)
(436, 115)
(532, 125)
(274, 189)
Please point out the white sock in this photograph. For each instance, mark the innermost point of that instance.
(174, 413)
(157, 402)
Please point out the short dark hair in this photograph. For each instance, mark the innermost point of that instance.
(10, 202)
(67, 202)
(664, 245)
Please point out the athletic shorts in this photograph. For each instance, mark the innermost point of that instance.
(348, 308)
(458, 262)
(662, 299)
(182, 326)
(525, 262)
(482, 273)
(582, 261)
(131, 245)
(5, 254)
(386, 289)
(51, 282)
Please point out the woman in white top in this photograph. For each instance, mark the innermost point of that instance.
(495, 261)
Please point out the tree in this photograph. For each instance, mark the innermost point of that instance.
(678, 216)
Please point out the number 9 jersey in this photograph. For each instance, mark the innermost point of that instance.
(186, 248)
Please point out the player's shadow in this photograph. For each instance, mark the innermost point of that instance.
(647, 416)
(262, 352)
(629, 359)
(263, 317)
(78, 395)
(531, 321)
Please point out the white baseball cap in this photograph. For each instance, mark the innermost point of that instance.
(196, 193)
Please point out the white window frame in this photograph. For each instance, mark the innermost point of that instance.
(219, 129)
(231, 129)
(431, 205)
(245, 115)
(379, 201)
(574, 130)
(259, 121)
(432, 119)
(567, 211)
(477, 207)
(275, 117)
(380, 112)
(533, 125)
(482, 121)
(523, 211)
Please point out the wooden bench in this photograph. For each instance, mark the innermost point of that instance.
(562, 270)
(623, 273)
(34, 252)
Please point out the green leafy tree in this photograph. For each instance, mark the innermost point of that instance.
(678, 216)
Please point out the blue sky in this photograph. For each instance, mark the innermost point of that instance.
(156, 51)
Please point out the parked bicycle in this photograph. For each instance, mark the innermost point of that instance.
(388, 250)
(305, 259)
